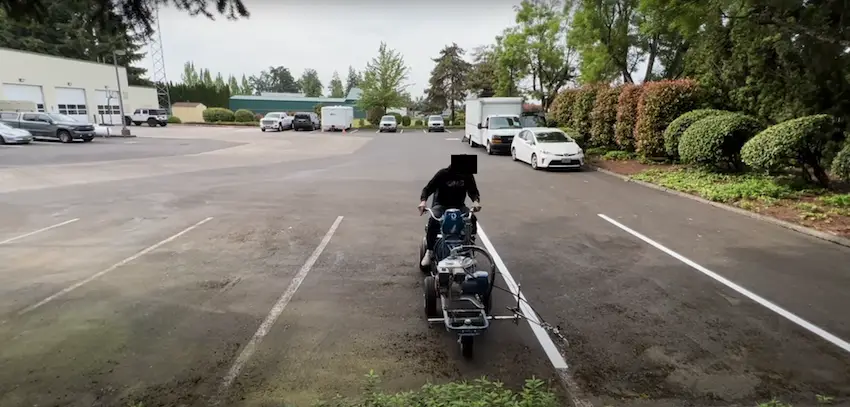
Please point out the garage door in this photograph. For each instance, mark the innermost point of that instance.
(108, 108)
(30, 93)
(72, 102)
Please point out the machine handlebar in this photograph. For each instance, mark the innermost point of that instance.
(466, 216)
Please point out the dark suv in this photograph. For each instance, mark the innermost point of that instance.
(306, 121)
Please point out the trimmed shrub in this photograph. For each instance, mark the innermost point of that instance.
(561, 111)
(624, 130)
(174, 120)
(582, 106)
(841, 163)
(243, 115)
(603, 117)
(800, 142)
(218, 114)
(405, 121)
(716, 140)
(418, 122)
(361, 122)
(374, 114)
(659, 104)
(317, 109)
(580, 140)
(677, 127)
(397, 116)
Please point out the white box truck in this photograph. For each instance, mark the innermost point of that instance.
(493, 122)
(337, 118)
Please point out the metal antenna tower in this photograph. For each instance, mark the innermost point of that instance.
(159, 78)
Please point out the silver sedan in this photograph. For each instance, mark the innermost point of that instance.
(11, 135)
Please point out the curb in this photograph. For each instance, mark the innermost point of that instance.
(788, 225)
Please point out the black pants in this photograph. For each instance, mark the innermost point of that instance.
(433, 228)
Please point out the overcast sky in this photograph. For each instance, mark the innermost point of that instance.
(328, 35)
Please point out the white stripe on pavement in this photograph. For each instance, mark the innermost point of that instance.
(276, 310)
(12, 239)
(112, 267)
(741, 290)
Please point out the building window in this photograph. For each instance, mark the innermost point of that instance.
(63, 109)
(82, 109)
(101, 109)
(116, 110)
(40, 107)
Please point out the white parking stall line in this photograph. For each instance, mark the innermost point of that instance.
(424, 131)
(276, 310)
(355, 131)
(448, 131)
(377, 131)
(44, 229)
(111, 268)
(741, 290)
(402, 131)
(452, 139)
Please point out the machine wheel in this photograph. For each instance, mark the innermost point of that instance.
(64, 136)
(488, 303)
(422, 250)
(513, 153)
(466, 346)
(431, 297)
(534, 162)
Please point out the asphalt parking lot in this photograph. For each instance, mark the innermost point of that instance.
(194, 265)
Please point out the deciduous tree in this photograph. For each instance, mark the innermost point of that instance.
(383, 80)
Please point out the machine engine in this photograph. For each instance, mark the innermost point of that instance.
(459, 273)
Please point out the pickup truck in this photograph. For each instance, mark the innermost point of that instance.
(50, 126)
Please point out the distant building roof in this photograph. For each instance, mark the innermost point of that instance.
(187, 104)
(354, 94)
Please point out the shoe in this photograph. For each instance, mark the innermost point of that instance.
(426, 261)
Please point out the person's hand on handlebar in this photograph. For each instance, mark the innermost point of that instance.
(476, 206)
(422, 207)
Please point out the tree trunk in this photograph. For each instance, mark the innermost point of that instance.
(650, 62)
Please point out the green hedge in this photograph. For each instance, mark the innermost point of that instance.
(244, 115)
(582, 106)
(405, 121)
(418, 122)
(603, 117)
(174, 120)
(716, 140)
(677, 127)
(561, 111)
(627, 103)
(800, 142)
(660, 103)
(218, 114)
(841, 163)
(580, 139)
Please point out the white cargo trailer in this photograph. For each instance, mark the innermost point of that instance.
(337, 118)
(493, 122)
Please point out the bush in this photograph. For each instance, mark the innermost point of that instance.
(716, 140)
(243, 115)
(218, 114)
(397, 116)
(174, 120)
(800, 142)
(374, 114)
(405, 121)
(603, 117)
(418, 122)
(677, 127)
(841, 163)
(659, 104)
(561, 111)
(361, 122)
(580, 140)
(480, 392)
(582, 106)
(317, 109)
(627, 103)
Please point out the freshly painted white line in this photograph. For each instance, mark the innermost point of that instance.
(533, 321)
(10, 240)
(452, 139)
(741, 290)
(277, 309)
(355, 131)
(112, 267)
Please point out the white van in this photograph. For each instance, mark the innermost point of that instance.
(493, 122)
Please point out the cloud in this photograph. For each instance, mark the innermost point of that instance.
(328, 35)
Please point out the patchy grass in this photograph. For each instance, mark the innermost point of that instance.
(616, 155)
(481, 392)
(726, 188)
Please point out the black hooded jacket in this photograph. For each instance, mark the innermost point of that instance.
(450, 188)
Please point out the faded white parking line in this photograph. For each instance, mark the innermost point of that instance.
(377, 131)
(448, 131)
(276, 310)
(402, 131)
(355, 131)
(44, 229)
(741, 290)
(424, 131)
(111, 268)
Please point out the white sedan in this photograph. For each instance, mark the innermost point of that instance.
(544, 147)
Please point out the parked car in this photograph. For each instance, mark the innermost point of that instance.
(545, 147)
(11, 135)
(306, 121)
(49, 126)
(276, 121)
(151, 116)
(436, 123)
(388, 123)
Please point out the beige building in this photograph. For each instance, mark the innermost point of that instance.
(87, 91)
(188, 111)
